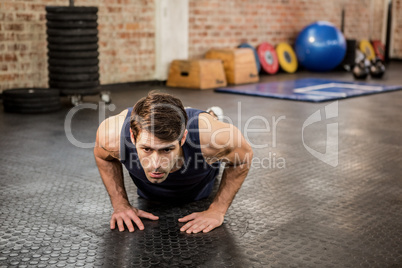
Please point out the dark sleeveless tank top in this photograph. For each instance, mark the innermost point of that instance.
(193, 181)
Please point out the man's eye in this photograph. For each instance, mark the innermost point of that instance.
(147, 150)
(167, 150)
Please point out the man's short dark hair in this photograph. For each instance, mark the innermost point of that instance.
(161, 114)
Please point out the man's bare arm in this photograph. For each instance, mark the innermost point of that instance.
(228, 145)
(106, 154)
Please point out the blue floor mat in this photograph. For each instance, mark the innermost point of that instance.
(309, 89)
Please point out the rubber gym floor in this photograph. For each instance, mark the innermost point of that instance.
(292, 211)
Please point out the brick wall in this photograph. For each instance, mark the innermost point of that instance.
(226, 23)
(126, 41)
(397, 29)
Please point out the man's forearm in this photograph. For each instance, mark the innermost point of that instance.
(112, 176)
(232, 179)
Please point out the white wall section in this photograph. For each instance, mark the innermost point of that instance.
(171, 36)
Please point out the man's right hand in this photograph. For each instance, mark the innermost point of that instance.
(128, 214)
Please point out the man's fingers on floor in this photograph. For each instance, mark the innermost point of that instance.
(199, 228)
(186, 226)
(129, 224)
(209, 228)
(138, 222)
(147, 215)
(112, 223)
(120, 224)
(190, 217)
(190, 230)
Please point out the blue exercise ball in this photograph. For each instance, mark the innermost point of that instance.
(320, 47)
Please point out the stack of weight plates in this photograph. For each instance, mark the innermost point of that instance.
(31, 100)
(72, 37)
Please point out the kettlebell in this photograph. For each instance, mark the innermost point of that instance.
(360, 70)
(377, 68)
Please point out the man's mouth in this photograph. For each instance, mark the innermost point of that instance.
(157, 175)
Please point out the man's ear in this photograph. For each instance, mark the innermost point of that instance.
(132, 137)
(183, 139)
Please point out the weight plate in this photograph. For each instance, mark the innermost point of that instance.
(71, 32)
(268, 58)
(34, 100)
(368, 50)
(379, 49)
(73, 55)
(73, 62)
(74, 77)
(72, 47)
(24, 93)
(73, 85)
(72, 40)
(74, 24)
(68, 17)
(286, 57)
(73, 69)
(71, 9)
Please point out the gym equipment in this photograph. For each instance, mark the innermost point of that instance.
(201, 74)
(268, 58)
(320, 47)
(31, 100)
(377, 68)
(73, 52)
(309, 89)
(368, 50)
(360, 70)
(239, 64)
(286, 57)
(257, 60)
(379, 49)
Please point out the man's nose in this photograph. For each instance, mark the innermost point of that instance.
(155, 161)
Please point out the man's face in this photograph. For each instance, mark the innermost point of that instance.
(157, 157)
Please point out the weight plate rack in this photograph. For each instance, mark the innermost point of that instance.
(72, 37)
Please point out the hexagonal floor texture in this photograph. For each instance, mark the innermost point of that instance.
(293, 210)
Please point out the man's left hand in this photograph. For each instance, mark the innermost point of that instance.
(202, 221)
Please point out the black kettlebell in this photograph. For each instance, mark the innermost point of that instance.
(360, 70)
(377, 68)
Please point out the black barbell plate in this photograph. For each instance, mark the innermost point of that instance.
(73, 62)
(72, 40)
(73, 69)
(73, 55)
(71, 32)
(74, 77)
(74, 24)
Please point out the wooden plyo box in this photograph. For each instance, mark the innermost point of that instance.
(201, 74)
(239, 64)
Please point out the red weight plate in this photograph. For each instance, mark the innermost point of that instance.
(379, 49)
(268, 58)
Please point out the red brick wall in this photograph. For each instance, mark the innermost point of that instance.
(226, 23)
(397, 29)
(126, 41)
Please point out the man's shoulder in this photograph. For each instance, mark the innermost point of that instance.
(214, 134)
(109, 131)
